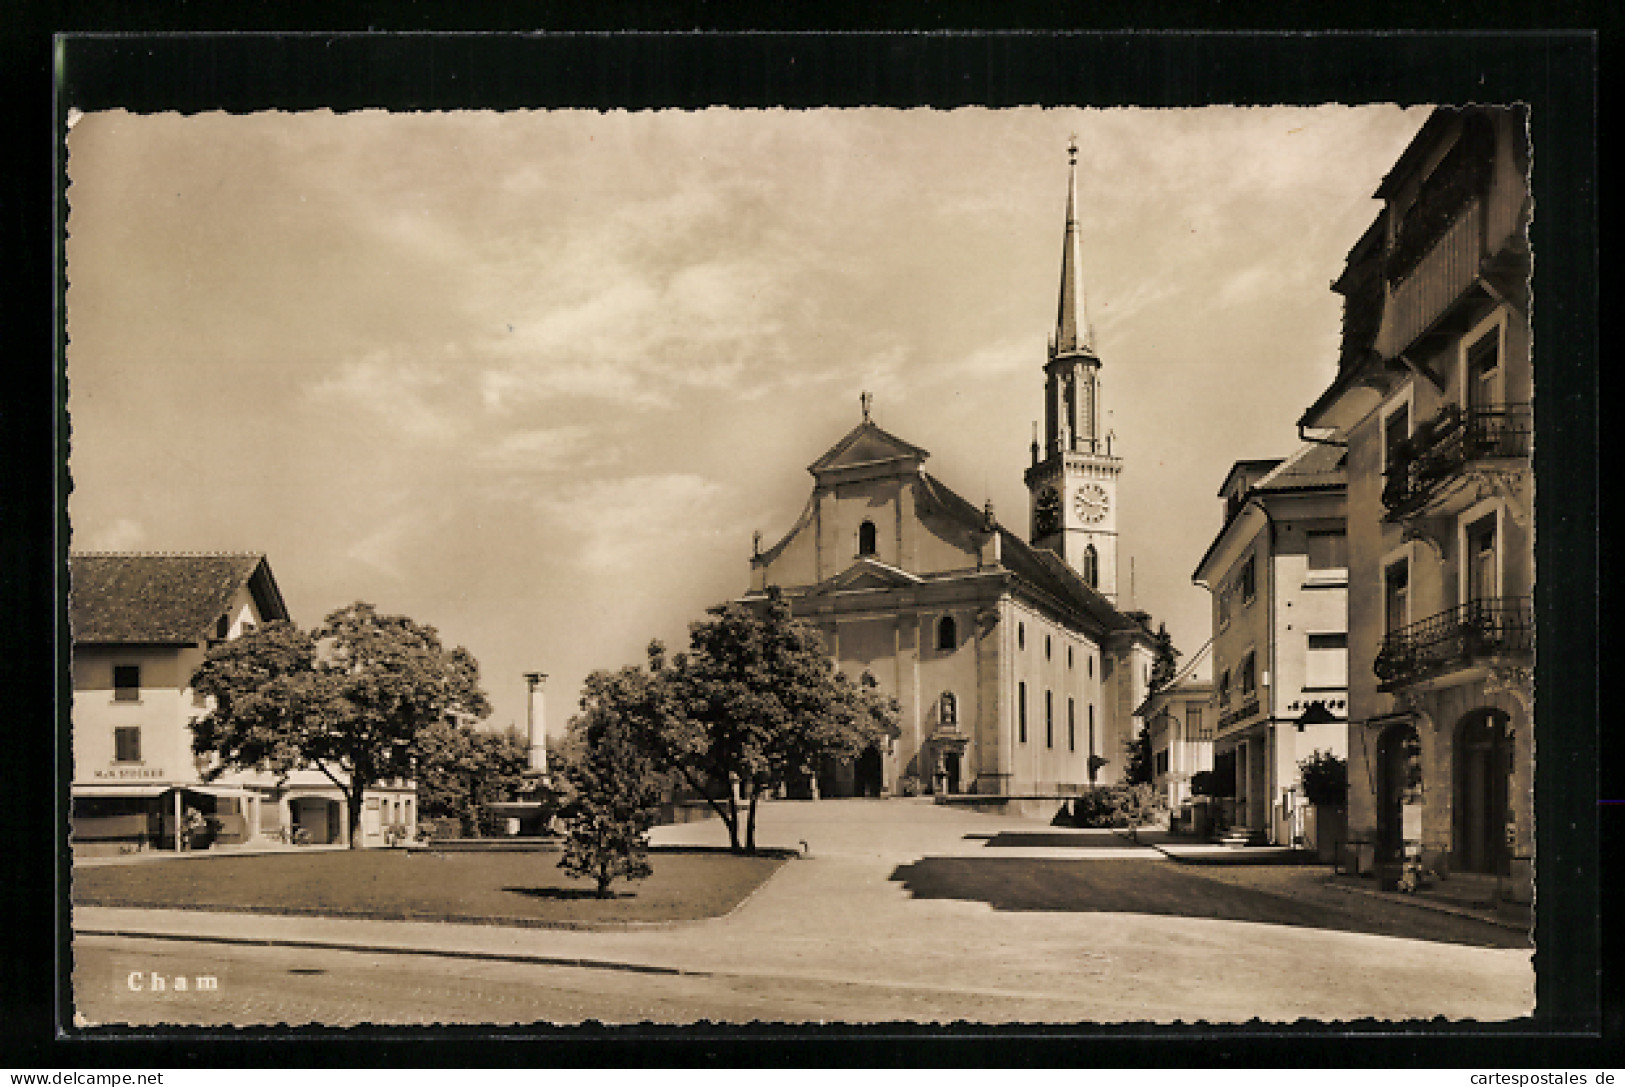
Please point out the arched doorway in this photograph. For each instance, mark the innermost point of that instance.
(1483, 761)
(1399, 782)
(868, 776)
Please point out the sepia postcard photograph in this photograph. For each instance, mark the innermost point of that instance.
(1034, 564)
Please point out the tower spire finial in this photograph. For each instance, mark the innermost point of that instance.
(1072, 333)
(866, 398)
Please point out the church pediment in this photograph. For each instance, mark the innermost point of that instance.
(867, 574)
(867, 446)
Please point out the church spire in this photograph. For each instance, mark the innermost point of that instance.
(1072, 333)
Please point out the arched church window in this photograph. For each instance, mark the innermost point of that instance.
(866, 538)
(947, 633)
(1091, 566)
(1021, 635)
(1046, 647)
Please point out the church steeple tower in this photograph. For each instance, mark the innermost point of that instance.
(1073, 477)
(1072, 331)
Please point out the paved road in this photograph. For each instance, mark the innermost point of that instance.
(300, 986)
(899, 911)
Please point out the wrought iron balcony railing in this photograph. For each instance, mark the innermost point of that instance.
(1441, 447)
(1247, 708)
(1479, 629)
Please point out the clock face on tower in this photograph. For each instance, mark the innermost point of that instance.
(1092, 502)
(1047, 513)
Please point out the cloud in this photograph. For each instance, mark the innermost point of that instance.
(124, 534)
(641, 338)
(993, 360)
(637, 525)
(572, 447)
(409, 396)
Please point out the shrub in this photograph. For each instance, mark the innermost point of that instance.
(1212, 783)
(909, 785)
(1325, 778)
(1116, 806)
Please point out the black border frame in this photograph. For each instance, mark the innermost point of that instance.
(1555, 72)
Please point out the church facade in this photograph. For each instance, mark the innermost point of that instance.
(1016, 674)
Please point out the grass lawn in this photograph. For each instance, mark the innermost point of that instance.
(388, 884)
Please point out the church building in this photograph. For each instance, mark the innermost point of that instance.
(1017, 675)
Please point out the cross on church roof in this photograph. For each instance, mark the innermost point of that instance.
(865, 398)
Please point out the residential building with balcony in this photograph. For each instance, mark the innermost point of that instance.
(1432, 400)
(1277, 572)
(1179, 717)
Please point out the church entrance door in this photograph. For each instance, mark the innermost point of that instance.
(868, 775)
(950, 770)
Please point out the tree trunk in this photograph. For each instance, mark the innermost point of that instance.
(732, 819)
(353, 815)
(750, 824)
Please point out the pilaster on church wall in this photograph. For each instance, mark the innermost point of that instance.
(907, 677)
(995, 716)
(907, 524)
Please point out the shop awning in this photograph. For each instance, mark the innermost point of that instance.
(114, 789)
(219, 790)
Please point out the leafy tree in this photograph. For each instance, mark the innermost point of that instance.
(1165, 659)
(461, 769)
(613, 785)
(757, 702)
(353, 698)
(1325, 778)
(1141, 767)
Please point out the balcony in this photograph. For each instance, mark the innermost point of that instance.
(1429, 289)
(1247, 708)
(1443, 447)
(1469, 634)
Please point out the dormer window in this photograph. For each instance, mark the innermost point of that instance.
(947, 633)
(866, 538)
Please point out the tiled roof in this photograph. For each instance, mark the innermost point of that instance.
(162, 598)
(1039, 567)
(1315, 465)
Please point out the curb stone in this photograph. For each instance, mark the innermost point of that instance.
(393, 949)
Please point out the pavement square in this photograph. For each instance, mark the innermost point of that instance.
(844, 913)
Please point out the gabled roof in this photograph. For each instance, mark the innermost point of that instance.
(867, 573)
(1257, 468)
(1038, 567)
(866, 445)
(162, 599)
(1313, 466)
(1194, 678)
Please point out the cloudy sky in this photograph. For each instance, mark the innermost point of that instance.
(535, 378)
